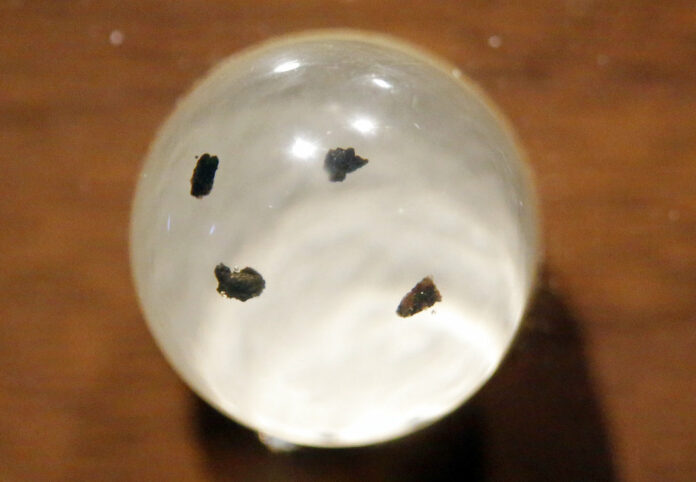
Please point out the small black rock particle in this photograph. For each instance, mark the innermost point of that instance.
(422, 296)
(339, 162)
(242, 285)
(203, 175)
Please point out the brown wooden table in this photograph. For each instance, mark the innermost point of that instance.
(602, 382)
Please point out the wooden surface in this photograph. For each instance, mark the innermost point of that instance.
(602, 383)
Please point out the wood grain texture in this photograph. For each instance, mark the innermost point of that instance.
(601, 384)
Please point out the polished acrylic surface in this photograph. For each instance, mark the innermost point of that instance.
(321, 357)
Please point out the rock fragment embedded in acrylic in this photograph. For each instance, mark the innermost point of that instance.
(241, 285)
(339, 162)
(203, 175)
(424, 295)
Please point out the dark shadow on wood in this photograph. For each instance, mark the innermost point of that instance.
(537, 419)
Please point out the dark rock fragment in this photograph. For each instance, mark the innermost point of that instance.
(203, 175)
(339, 162)
(242, 285)
(422, 296)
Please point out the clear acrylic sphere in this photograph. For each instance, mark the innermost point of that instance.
(321, 357)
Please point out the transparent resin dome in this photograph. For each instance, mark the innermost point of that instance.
(387, 221)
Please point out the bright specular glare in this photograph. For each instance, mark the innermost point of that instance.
(381, 83)
(364, 125)
(303, 149)
(286, 66)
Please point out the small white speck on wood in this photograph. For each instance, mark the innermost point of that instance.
(602, 60)
(495, 41)
(116, 37)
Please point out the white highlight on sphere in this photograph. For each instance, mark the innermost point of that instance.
(321, 357)
(381, 83)
(364, 125)
(286, 66)
(303, 149)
